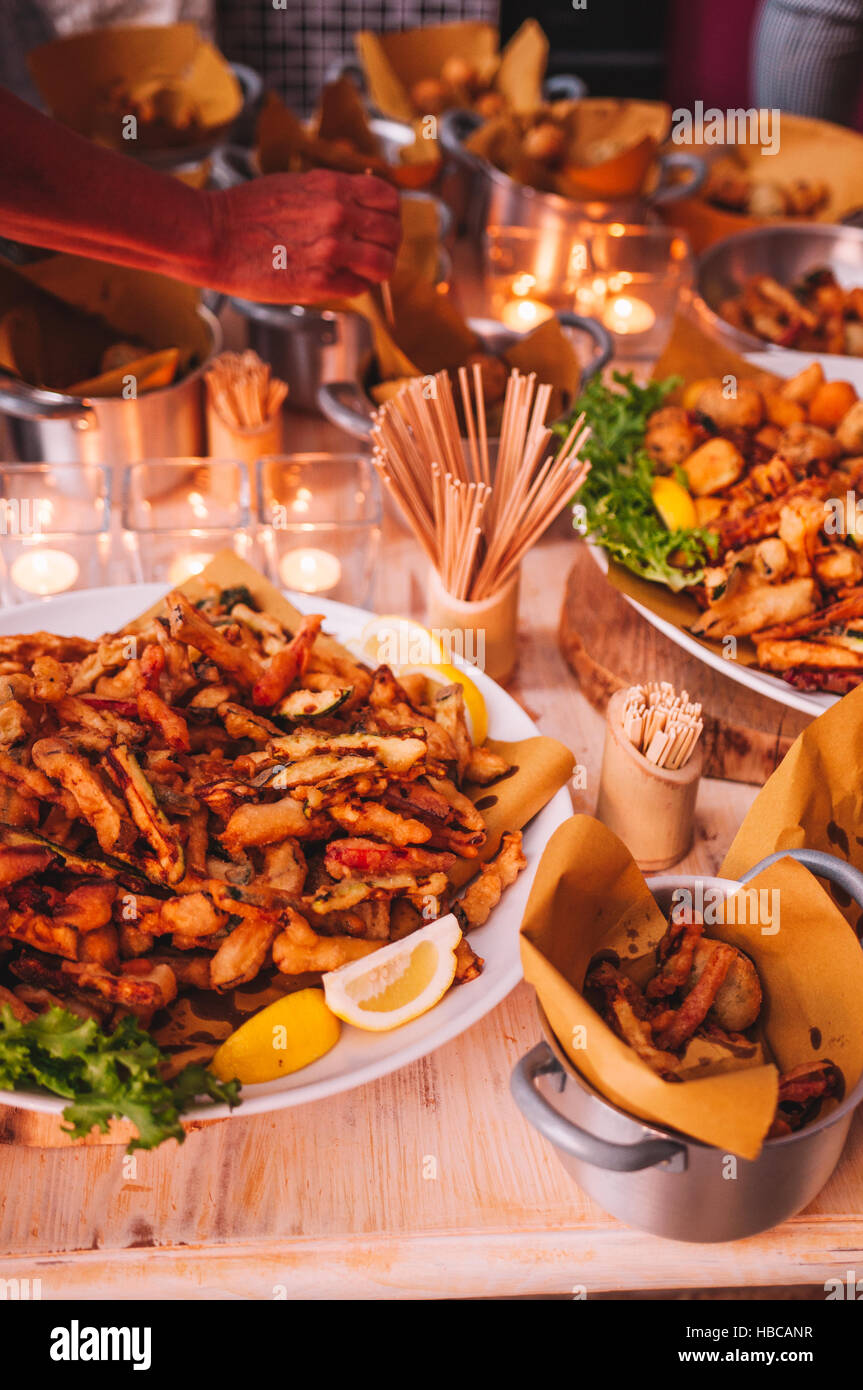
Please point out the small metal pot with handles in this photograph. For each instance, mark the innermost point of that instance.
(38, 426)
(349, 405)
(657, 1179)
(496, 200)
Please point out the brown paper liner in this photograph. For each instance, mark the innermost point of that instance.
(87, 81)
(589, 896)
(809, 149)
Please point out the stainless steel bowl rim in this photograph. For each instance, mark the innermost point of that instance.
(798, 231)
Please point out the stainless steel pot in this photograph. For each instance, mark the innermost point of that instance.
(786, 251)
(657, 1179)
(348, 403)
(307, 347)
(497, 200)
(39, 426)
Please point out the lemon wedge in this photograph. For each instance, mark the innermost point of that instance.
(408, 647)
(397, 983)
(674, 504)
(283, 1037)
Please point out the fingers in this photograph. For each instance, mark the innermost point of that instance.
(377, 227)
(371, 192)
(375, 263)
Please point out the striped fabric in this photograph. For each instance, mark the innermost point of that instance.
(807, 57)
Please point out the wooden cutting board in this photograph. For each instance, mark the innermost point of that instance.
(607, 644)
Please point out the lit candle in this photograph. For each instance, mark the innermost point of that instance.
(44, 572)
(311, 571)
(524, 314)
(184, 566)
(627, 315)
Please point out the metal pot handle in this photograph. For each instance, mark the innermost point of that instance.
(345, 403)
(823, 865)
(32, 403)
(564, 86)
(667, 191)
(453, 128)
(600, 335)
(251, 83)
(602, 1153)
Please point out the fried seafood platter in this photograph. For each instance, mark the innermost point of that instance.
(742, 501)
(210, 808)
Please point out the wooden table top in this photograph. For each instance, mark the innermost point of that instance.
(426, 1183)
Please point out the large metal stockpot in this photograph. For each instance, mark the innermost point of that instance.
(349, 405)
(39, 426)
(657, 1179)
(496, 200)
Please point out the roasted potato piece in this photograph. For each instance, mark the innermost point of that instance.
(743, 410)
(831, 403)
(849, 434)
(670, 436)
(803, 387)
(713, 466)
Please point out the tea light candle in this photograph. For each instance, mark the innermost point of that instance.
(628, 315)
(309, 570)
(184, 566)
(44, 572)
(523, 314)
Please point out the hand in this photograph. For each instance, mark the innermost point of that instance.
(302, 238)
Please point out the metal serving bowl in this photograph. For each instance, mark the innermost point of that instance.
(658, 1179)
(349, 404)
(786, 250)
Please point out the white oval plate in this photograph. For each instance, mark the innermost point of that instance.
(784, 363)
(358, 1056)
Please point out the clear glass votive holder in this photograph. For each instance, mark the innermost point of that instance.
(631, 280)
(320, 523)
(179, 513)
(55, 529)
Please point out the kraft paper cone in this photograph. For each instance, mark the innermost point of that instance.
(59, 316)
(394, 62)
(611, 145)
(178, 86)
(339, 138)
(813, 799)
(539, 767)
(429, 335)
(808, 149)
(589, 896)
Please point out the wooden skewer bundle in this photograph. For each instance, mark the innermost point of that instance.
(662, 725)
(242, 392)
(475, 531)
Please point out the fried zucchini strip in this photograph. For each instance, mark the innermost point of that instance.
(484, 893)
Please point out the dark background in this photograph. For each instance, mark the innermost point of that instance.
(682, 50)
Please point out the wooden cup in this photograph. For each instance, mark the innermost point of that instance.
(492, 623)
(651, 808)
(246, 444)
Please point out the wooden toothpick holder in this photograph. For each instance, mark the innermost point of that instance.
(493, 622)
(652, 809)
